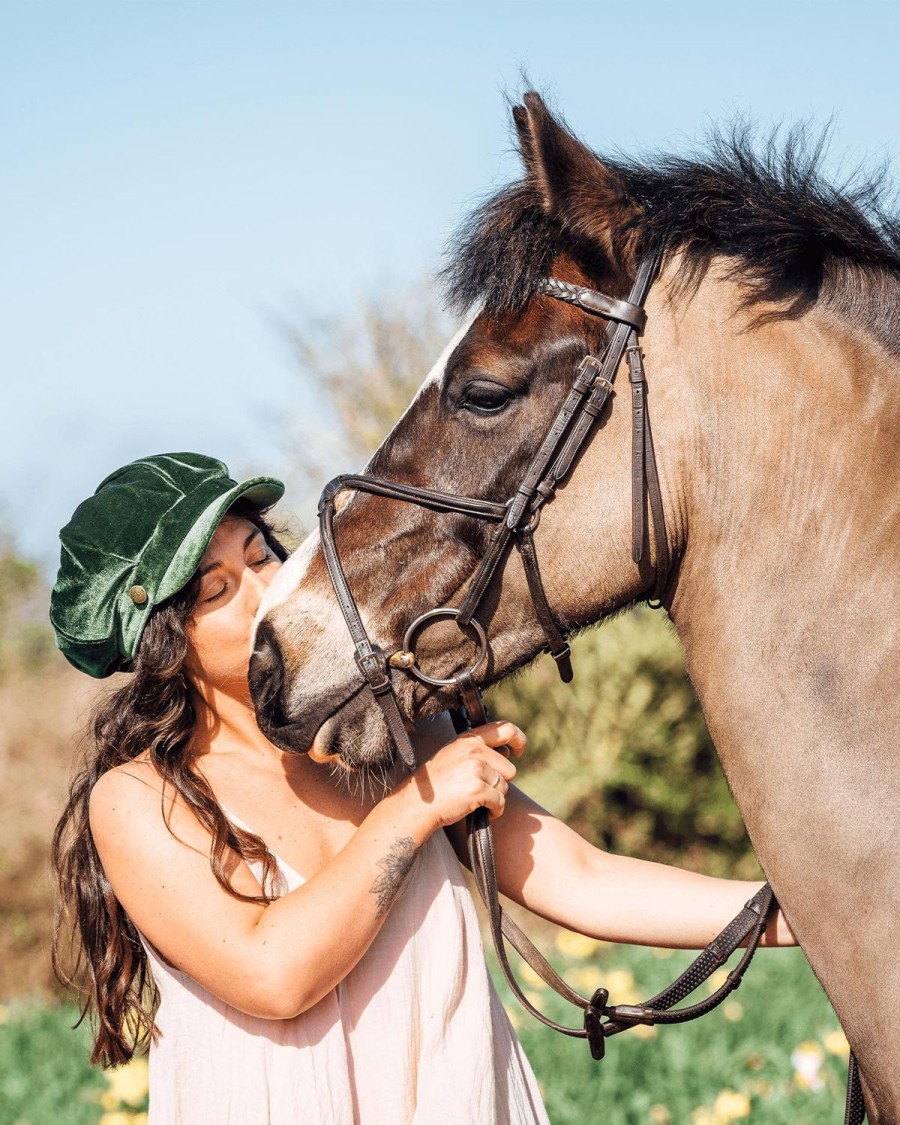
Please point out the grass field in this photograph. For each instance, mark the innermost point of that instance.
(771, 1054)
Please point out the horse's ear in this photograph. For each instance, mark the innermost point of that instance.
(576, 188)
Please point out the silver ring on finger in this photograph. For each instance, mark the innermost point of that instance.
(496, 779)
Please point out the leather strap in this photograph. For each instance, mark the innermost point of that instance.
(370, 659)
(614, 308)
(663, 559)
(424, 497)
(556, 641)
(500, 541)
(855, 1106)
(751, 920)
(638, 451)
(644, 475)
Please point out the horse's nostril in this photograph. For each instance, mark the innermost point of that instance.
(266, 673)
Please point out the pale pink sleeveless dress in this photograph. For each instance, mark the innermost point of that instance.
(416, 1032)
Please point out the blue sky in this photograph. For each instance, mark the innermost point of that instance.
(176, 175)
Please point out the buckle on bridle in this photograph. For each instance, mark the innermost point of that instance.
(373, 666)
(592, 367)
(593, 1023)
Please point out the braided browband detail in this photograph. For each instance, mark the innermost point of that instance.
(564, 290)
(614, 308)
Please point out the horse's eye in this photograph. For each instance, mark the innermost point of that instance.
(485, 398)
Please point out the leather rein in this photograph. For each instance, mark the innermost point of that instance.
(515, 521)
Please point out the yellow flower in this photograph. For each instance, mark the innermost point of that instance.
(733, 1010)
(587, 978)
(836, 1044)
(575, 945)
(129, 1083)
(659, 1115)
(730, 1105)
(717, 980)
(620, 983)
(534, 998)
(531, 976)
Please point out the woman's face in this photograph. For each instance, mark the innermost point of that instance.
(235, 571)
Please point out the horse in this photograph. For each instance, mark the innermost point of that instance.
(772, 353)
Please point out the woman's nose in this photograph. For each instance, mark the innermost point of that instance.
(257, 582)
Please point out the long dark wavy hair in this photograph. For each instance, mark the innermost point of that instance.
(96, 948)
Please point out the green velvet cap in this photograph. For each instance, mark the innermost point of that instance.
(137, 541)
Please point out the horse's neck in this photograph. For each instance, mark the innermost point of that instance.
(788, 607)
(788, 603)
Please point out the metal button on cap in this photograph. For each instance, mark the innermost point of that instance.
(138, 595)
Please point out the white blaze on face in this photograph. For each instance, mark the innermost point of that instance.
(436, 374)
(294, 570)
(290, 574)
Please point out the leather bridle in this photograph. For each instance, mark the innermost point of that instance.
(515, 521)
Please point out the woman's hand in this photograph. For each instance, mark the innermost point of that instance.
(457, 779)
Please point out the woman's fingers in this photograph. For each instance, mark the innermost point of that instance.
(491, 775)
(502, 733)
(494, 802)
(489, 761)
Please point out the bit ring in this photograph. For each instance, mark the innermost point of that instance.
(433, 615)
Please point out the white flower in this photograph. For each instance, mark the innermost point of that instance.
(807, 1059)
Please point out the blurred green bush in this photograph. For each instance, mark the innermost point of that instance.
(622, 754)
(26, 639)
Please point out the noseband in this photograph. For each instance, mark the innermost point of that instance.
(516, 519)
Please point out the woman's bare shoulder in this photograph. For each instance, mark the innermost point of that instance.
(132, 805)
(135, 781)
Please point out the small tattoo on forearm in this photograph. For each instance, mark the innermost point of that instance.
(397, 865)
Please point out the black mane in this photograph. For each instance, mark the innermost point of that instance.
(769, 207)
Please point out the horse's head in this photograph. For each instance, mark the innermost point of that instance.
(472, 430)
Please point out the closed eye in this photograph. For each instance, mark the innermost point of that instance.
(266, 558)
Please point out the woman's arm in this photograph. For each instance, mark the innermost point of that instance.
(271, 961)
(279, 959)
(549, 869)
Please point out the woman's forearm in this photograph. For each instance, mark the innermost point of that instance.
(643, 903)
(552, 871)
(312, 937)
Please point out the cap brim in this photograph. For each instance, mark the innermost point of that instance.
(261, 491)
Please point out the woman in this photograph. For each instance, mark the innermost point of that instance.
(357, 990)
